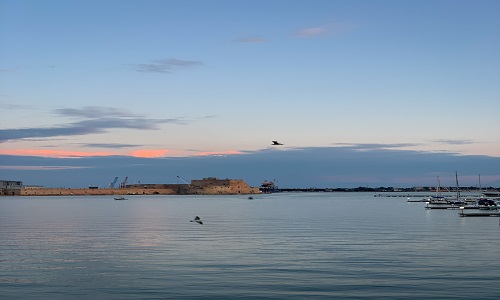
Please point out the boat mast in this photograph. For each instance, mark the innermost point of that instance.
(480, 187)
(458, 191)
(438, 189)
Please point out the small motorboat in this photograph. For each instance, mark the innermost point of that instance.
(120, 198)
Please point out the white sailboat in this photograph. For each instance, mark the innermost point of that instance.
(440, 202)
(438, 198)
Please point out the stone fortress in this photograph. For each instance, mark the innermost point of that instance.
(205, 186)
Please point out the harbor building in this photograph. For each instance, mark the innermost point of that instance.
(10, 188)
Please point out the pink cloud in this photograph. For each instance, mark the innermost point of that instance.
(144, 153)
(149, 153)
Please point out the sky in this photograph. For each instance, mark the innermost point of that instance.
(360, 93)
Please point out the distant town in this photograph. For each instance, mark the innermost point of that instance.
(270, 186)
(386, 189)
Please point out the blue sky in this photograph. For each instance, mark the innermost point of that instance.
(208, 85)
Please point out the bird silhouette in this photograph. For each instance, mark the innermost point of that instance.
(275, 143)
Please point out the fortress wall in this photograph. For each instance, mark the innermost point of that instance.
(209, 190)
(232, 187)
(207, 186)
(185, 190)
(10, 192)
(210, 181)
(241, 187)
(94, 192)
(155, 186)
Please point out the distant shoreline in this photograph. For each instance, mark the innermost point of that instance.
(385, 190)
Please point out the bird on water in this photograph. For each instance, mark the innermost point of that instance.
(197, 220)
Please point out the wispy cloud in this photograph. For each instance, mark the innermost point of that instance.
(14, 106)
(41, 168)
(218, 153)
(56, 153)
(99, 120)
(165, 65)
(331, 29)
(95, 112)
(252, 40)
(368, 146)
(454, 142)
(110, 145)
(310, 32)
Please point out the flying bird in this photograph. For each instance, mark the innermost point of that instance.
(197, 220)
(275, 143)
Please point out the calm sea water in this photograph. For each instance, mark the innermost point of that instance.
(278, 246)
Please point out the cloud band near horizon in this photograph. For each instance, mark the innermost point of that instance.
(99, 120)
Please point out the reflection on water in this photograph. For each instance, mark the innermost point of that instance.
(321, 245)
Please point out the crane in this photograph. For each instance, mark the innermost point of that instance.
(112, 184)
(124, 182)
(182, 179)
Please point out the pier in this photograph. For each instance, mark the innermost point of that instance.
(480, 214)
(444, 206)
